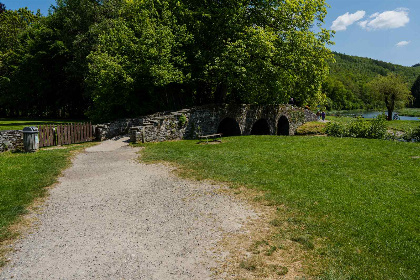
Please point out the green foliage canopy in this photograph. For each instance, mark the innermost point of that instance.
(415, 91)
(208, 51)
(2, 7)
(13, 24)
(392, 91)
(115, 58)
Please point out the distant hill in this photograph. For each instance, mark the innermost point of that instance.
(346, 85)
(365, 69)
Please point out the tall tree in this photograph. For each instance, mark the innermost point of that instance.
(53, 67)
(415, 91)
(12, 25)
(256, 51)
(137, 57)
(127, 57)
(392, 91)
(2, 7)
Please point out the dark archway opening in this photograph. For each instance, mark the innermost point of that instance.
(260, 127)
(283, 126)
(229, 127)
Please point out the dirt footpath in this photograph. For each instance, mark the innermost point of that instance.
(110, 217)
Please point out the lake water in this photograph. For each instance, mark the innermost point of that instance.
(371, 115)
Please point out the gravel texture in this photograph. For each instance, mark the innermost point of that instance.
(111, 217)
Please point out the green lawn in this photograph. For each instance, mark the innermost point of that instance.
(18, 124)
(394, 125)
(23, 177)
(356, 200)
(413, 112)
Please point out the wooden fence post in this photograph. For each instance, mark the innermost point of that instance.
(58, 132)
(65, 134)
(49, 135)
(72, 133)
(40, 135)
(84, 132)
(90, 132)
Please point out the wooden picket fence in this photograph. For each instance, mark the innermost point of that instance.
(64, 134)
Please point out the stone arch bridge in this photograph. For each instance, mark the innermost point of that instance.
(231, 120)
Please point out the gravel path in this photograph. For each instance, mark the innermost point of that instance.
(111, 217)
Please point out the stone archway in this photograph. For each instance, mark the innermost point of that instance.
(260, 127)
(283, 126)
(229, 127)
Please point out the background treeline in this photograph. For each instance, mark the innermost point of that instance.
(346, 86)
(118, 58)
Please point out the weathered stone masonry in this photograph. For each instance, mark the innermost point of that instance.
(11, 140)
(227, 119)
(189, 123)
(246, 116)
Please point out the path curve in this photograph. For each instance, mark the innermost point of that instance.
(110, 217)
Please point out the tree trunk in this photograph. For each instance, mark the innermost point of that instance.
(390, 114)
(390, 106)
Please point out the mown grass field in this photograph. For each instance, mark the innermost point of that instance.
(23, 178)
(18, 124)
(413, 112)
(399, 125)
(356, 202)
(313, 128)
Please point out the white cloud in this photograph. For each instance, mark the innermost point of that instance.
(341, 23)
(374, 15)
(387, 20)
(363, 23)
(403, 43)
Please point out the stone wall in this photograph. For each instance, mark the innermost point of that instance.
(208, 118)
(161, 127)
(113, 129)
(11, 140)
(189, 123)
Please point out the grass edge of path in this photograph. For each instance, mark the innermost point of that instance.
(258, 251)
(184, 155)
(22, 223)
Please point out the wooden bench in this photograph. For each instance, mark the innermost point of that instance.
(211, 136)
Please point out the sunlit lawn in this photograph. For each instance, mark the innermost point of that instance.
(362, 197)
(18, 124)
(400, 125)
(23, 178)
(414, 112)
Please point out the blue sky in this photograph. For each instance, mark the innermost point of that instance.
(388, 30)
(33, 5)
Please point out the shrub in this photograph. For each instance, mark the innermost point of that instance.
(335, 129)
(412, 135)
(182, 120)
(359, 128)
(377, 129)
(311, 128)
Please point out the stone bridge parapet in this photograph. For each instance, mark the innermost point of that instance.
(231, 120)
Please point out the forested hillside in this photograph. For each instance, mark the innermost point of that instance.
(346, 85)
